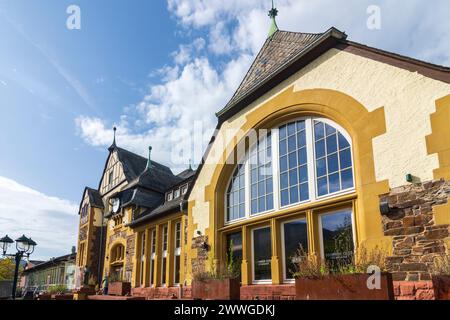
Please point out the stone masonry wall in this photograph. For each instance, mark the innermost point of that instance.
(199, 263)
(417, 240)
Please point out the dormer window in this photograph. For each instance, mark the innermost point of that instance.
(169, 196)
(176, 193)
(184, 189)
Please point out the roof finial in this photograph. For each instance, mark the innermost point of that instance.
(149, 161)
(114, 140)
(273, 27)
(190, 164)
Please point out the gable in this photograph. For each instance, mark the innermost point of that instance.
(288, 52)
(113, 174)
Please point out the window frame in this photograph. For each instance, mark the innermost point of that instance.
(267, 281)
(164, 253)
(177, 253)
(331, 212)
(283, 250)
(311, 167)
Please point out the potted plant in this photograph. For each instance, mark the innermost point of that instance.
(219, 283)
(118, 286)
(342, 279)
(441, 277)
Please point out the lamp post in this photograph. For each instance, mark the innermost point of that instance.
(25, 247)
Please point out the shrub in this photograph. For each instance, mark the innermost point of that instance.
(57, 289)
(311, 266)
(230, 271)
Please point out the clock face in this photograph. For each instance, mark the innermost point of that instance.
(115, 205)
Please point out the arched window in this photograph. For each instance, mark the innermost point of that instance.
(297, 162)
(236, 195)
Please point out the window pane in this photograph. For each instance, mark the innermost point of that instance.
(283, 163)
(262, 254)
(304, 192)
(303, 173)
(293, 177)
(284, 197)
(293, 194)
(337, 238)
(318, 130)
(321, 167)
(282, 132)
(331, 144)
(329, 130)
(345, 159)
(295, 237)
(337, 153)
(234, 251)
(293, 168)
(263, 176)
(177, 269)
(284, 180)
(347, 179)
(320, 148)
(343, 143)
(236, 195)
(333, 164)
(322, 186)
(334, 183)
(302, 157)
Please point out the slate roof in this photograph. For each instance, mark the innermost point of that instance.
(155, 179)
(188, 173)
(95, 198)
(52, 262)
(282, 47)
(134, 165)
(166, 207)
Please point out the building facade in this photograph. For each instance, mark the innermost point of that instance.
(332, 140)
(60, 271)
(327, 143)
(133, 227)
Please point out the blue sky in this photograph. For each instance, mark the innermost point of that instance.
(150, 68)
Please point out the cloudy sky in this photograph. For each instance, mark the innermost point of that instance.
(153, 69)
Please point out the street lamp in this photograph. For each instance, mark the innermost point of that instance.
(25, 247)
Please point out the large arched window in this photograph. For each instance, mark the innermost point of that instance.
(298, 162)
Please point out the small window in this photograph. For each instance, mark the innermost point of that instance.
(262, 254)
(295, 240)
(111, 178)
(184, 189)
(169, 196)
(176, 193)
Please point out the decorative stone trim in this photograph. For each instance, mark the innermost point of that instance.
(417, 239)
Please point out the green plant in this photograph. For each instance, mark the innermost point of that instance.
(441, 265)
(57, 289)
(230, 271)
(311, 266)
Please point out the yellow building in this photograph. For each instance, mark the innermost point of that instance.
(133, 228)
(324, 139)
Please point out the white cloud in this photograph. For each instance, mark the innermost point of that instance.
(26, 211)
(203, 76)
